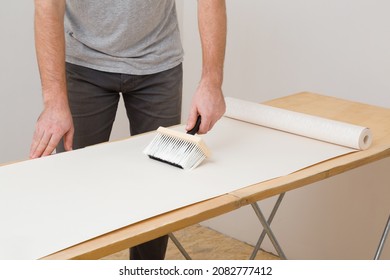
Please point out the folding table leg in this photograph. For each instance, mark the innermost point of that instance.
(179, 246)
(267, 229)
(382, 241)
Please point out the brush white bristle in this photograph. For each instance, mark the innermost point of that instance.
(180, 149)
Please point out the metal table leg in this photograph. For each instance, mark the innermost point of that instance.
(179, 246)
(267, 229)
(383, 240)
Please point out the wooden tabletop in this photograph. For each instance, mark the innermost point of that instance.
(376, 118)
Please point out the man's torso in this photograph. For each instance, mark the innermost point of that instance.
(123, 36)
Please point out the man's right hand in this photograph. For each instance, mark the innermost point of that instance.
(53, 124)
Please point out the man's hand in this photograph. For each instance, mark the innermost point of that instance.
(55, 121)
(209, 103)
(53, 124)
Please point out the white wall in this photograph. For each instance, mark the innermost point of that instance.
(275, 48)
(333, 47)
(20, 88)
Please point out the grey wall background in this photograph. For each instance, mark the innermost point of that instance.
(20, 103)
(333, 47)
(275, 48)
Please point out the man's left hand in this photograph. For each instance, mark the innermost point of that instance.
(209, 103)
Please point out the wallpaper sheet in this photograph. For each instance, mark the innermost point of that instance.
(51, 203)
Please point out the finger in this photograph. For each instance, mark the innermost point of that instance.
(51, 145)
(210, 127)
(35, 142)
(192, 119)
(204, 126)
(41, 146)
(37, 138)
(68, 140)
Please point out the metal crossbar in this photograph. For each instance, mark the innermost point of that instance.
(257, 210)
(267, 229)
(179, 246)
(383, 240)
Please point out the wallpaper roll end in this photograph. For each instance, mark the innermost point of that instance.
(327, 130)
(365, 139)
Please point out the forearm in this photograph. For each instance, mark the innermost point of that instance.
(208, 101)
(212, 29)
(50, 50)
(55, 121)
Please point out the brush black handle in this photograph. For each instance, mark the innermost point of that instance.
(196, 127)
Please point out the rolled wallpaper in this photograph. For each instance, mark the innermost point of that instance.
(336, 132)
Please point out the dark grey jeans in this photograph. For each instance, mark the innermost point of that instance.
(150, 100)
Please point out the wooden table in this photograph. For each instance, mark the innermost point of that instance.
(376, 118)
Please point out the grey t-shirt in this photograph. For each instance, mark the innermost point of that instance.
(123, 36)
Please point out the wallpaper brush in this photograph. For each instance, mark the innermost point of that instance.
(183, 150)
